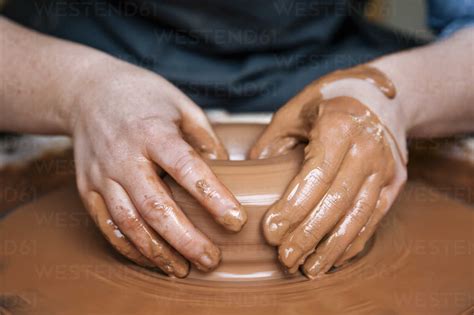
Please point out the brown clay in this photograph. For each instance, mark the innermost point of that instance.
(53, 260)
(257, 184)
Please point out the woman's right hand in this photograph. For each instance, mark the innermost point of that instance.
(128, 124)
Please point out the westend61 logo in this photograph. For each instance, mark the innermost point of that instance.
(18, 247)
(95, 8)
(324, 8)
(218, 36)
(18, 194)
(328, 62)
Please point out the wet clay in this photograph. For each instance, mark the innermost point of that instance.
(362, 72)
(53, 259)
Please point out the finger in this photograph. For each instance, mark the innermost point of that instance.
(140, 234)
(282, 134)
(199, 133)
(99, 213)
(345, 232)
(180, 161)
(394, 178)
(323, 158)
(358, 244)
(337, 201)
(394, 181)
(159, 211)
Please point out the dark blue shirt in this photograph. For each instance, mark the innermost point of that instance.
(245, 55)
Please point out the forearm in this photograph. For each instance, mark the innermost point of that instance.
(41, 76)
(435, 85)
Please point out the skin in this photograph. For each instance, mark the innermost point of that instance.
(127, 125)
(356, 153)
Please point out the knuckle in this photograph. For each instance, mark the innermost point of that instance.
(185, 165)
(327, 164)
(357, 218)
(124, 220)
(186, 243)
(148, 130)
(362, 205)
(314, 236)
(317, 176)
(154, 207)
(372, 146)
(329, 202)
(338, 119)
(109, 168)
(301, 208)
(152, 128)
(163, 141)
(336, 126)
(338, 199)
(338, 247)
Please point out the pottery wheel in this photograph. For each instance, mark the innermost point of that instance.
(53, 260)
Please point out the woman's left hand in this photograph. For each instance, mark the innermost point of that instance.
(352, 172)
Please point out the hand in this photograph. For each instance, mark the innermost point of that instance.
(128, 125)
(352, 169)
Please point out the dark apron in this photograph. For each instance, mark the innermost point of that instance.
(238, 55)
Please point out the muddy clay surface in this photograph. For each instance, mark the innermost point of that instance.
(53, 260)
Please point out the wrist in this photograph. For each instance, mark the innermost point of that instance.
(376, 92)
(394, 69)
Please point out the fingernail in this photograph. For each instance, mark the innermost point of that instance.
(313, 271)
(209, 260)
(205, 260)
(289, 255)
(169, 270)
(234, 219)
(176, 270)
(275, 229)
(181, 272)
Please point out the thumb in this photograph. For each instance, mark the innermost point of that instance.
(198, 132)
(284, 132)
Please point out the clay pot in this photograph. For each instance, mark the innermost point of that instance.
(257, 184)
